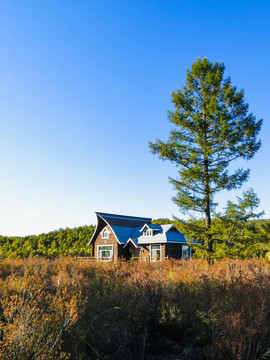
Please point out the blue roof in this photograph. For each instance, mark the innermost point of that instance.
(122, 233)
(136, 233)
(124, 220)
(173, 236)
(130, 228)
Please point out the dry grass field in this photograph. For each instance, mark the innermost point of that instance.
(70, 309)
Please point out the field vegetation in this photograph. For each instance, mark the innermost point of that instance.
(70, 309)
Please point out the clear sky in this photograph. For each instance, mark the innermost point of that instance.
(85, 85)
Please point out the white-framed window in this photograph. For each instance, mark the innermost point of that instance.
(147, 233)
(105, 252)
(105, 233)
(186, 251)
(155, 252)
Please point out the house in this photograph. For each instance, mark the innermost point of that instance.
(121, 236)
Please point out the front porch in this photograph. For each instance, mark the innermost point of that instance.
(157, 252)
(145, 252)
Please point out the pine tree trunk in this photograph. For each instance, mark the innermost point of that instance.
(209, 244)
(207, 211)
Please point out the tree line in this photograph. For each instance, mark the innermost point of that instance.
(236, 234)
(58, 243)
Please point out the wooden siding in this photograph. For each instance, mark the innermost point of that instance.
(163, 251)
(168, 250)
(146, 250)
(111, 240)
(135, 252)
(123, 252)
(174, 251)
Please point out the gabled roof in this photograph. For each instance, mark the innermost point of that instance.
(133, 241)
(130, 228)
(121, 225)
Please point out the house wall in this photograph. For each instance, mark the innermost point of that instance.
(146, 250)
(135, 252)
(123, 252)
(174, 251)
(167, 250)
(163, 251)
(111, 240)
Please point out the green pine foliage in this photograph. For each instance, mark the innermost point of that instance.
(58, 243)
(212, 127)
(236, 233)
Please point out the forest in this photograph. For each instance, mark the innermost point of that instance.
(62, 242)
(234, 239)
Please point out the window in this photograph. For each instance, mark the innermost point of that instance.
(105, 234)
(155, 252)
(147, 233)
(185, 251)
(105, 252)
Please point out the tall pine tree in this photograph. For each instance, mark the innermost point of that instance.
(213, 127)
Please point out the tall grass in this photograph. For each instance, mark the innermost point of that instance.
(68, 309)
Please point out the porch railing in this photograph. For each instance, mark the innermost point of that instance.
(133, 258)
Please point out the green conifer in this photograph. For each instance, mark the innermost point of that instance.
(213, 127)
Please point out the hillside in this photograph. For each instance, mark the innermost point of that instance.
(62, 242)
(65, 242)
(57, 243)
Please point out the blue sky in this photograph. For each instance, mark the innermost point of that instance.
(85, 85)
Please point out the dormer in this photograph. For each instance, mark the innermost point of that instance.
(147, 232)
(149, 229)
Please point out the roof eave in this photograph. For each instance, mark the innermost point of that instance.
(130, 240)
(99, 216)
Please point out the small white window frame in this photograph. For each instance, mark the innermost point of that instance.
(111, 255)
(147, 232)
(105, 230)
(160, 249)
